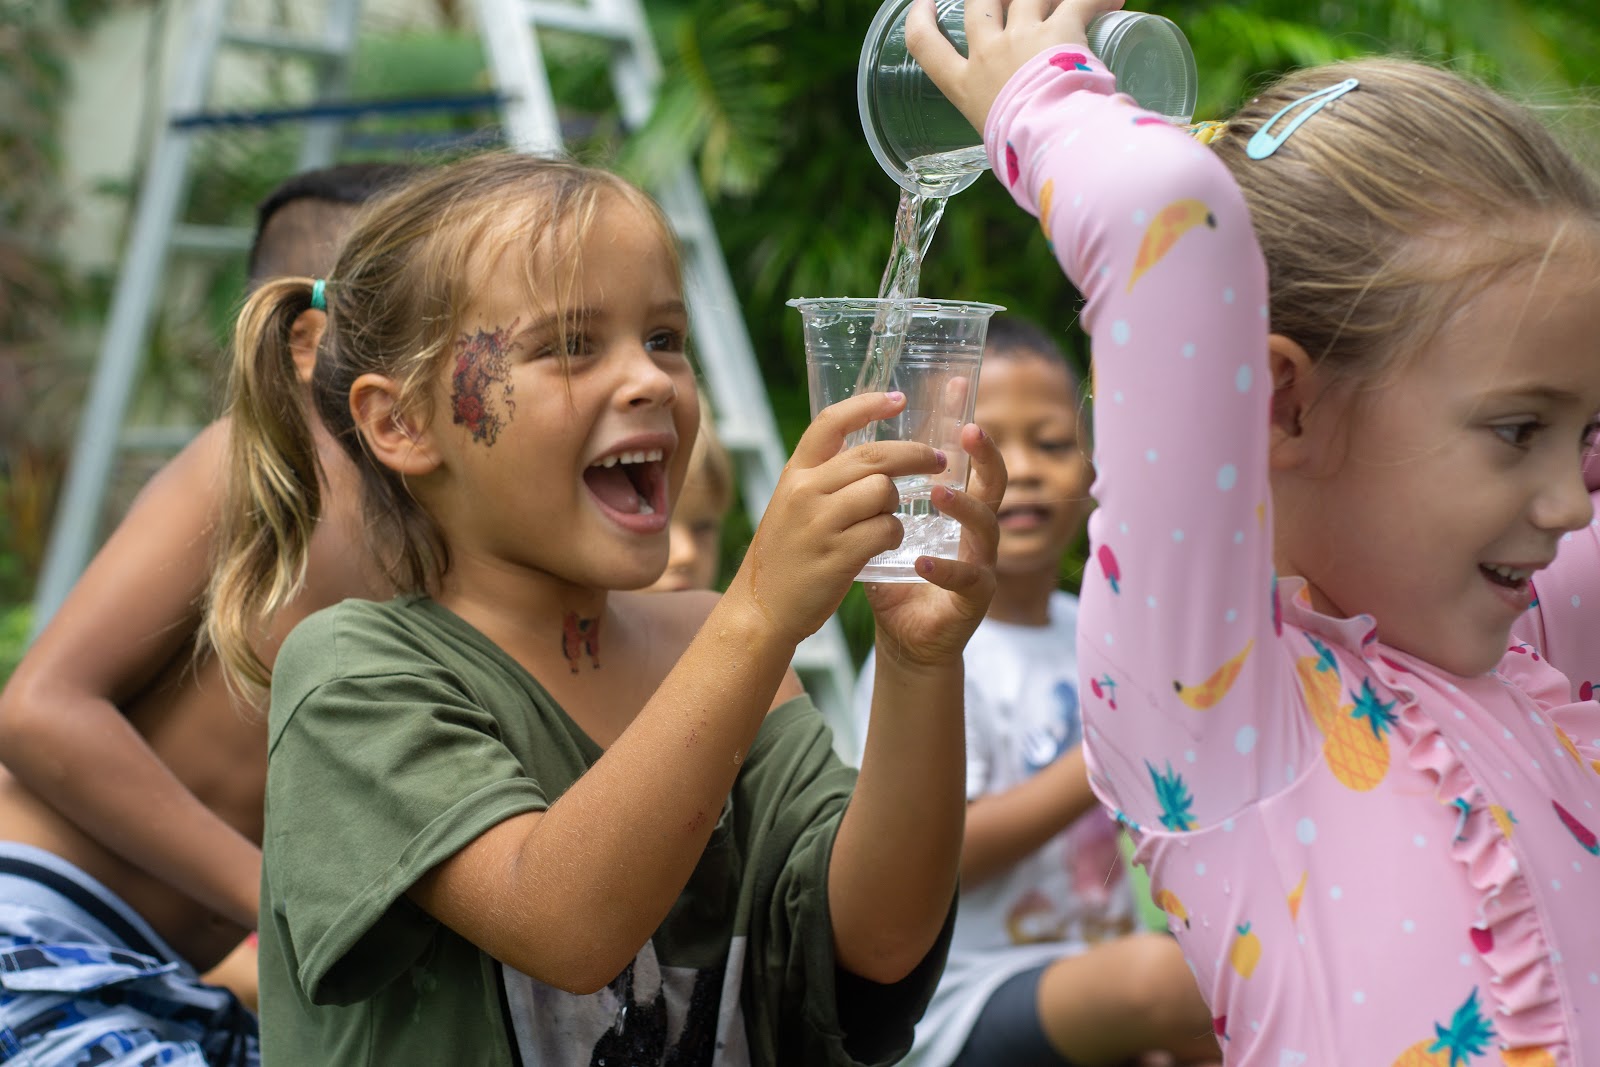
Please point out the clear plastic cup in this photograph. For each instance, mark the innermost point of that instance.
(937, 370)
(907, 119)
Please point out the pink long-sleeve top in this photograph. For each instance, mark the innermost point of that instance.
(1368, 861)
(1564, 622)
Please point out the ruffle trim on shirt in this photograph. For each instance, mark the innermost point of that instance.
(1356, 634)
(1508, 933)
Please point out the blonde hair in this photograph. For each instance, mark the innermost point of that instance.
(1395, 202)
(709, 460)
(396, 300)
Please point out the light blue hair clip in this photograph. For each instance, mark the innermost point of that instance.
(1263, 143)
(319, 295)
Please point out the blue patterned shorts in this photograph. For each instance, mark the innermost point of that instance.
(84, 981)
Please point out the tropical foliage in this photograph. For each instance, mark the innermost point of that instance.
(759, 95)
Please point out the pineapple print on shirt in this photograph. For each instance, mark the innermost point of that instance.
(1464, 1040)
(1357, 735)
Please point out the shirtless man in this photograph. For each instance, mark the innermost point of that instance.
(131, 797)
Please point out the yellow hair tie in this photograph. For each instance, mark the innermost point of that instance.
(1206, 132)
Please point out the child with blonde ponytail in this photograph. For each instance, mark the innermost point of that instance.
(523, 814)
(1346, 371)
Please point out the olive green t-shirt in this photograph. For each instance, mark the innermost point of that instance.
(398, 733)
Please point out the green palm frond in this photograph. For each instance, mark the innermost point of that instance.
(722, 100)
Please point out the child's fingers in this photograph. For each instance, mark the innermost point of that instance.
(987, 480)
(972, 583)
(1073, 18)
(827, 433)
(980, 525)
(932, 49)
(865, 498)
(897, 459)
(1025, 14)
(984, 19)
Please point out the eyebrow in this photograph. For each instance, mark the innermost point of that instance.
(577, 315)
(1548, 393)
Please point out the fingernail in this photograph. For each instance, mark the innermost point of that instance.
(940, 456)
(925, 565)
(946, 494)
(897, 396)
(981, 435)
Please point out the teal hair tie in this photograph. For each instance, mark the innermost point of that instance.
(319, 295)
(1262, 144)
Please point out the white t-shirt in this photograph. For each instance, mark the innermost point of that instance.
(1021, 714)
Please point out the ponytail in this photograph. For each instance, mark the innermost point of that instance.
(273, 495)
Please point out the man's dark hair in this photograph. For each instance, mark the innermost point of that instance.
(317, 195)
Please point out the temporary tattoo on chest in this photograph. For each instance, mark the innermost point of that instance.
(483, 367)
(580, 637)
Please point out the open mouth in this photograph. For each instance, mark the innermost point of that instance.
(630, 483)
(1022, 516)
(1507, 577)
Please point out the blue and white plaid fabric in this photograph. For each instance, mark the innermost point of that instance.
(85, 982)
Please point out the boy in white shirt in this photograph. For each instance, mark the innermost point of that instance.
(1045, 967)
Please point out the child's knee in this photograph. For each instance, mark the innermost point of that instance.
(1158, 978)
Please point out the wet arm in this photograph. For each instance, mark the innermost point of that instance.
(1177, 623)
(568, 895)
(892, 875)
(134, 612)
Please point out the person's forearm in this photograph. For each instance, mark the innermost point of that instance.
(139, 810)
(1005, 828)
(892, 874)
(604, 865)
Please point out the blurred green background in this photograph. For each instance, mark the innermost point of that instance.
(760, 94)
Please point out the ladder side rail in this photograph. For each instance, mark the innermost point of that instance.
(532, 123)
(738, 395)
(744, 415)
(122, 348)
(322, 135)
(635, 74)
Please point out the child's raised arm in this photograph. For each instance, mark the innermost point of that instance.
(895, 861)
(570, 893)
(134, 614)
(1179, 603)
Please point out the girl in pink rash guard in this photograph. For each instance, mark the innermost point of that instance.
(1347, 359)
(1564, 622)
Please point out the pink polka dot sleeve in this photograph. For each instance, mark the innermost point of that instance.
(1179, 631)
(1566, 619)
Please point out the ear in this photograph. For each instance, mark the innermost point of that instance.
(389, 432)
(305, 333)
(1293, 390)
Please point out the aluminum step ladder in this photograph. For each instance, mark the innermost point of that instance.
(510, 32)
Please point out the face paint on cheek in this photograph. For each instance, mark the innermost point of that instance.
(483, 363)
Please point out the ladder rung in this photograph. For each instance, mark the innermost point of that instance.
(287, 44)
(218, 239)
(157, 438)
(579, 20)
(340, 109)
